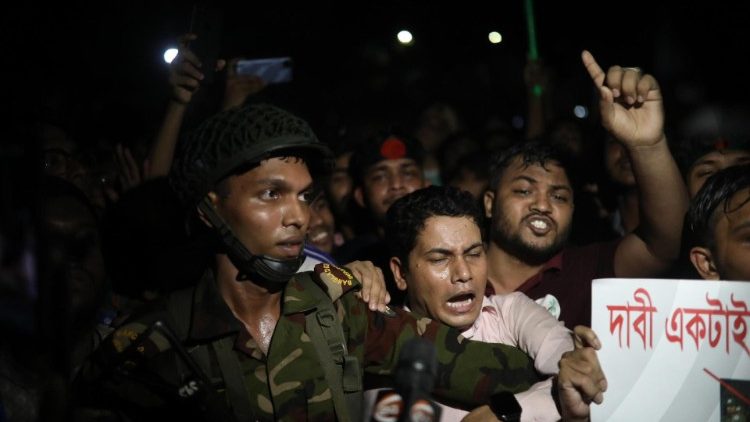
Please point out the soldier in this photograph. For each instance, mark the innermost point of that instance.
(253, 340)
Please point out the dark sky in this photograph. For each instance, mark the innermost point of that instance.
(100, 60)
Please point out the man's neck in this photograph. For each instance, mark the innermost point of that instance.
(252, 304)
(506, 272)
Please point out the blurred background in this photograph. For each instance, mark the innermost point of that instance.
(101, 64)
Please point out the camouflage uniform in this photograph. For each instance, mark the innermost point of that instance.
(289, 383)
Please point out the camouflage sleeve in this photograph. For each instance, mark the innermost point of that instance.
(468, 372)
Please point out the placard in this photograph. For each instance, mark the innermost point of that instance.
(673, 350)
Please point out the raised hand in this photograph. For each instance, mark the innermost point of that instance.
(185, 75)
(239, 87)
(630, 103)
(373, 291)
(581, 379)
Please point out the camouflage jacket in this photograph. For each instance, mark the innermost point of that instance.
(289, 383)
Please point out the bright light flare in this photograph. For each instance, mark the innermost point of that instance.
(405, 37)
(170, 54)
(580, 111)
(495, 37)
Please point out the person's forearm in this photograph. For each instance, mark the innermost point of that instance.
(663, 198)
(162, 151)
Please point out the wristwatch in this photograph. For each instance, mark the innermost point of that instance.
(505, 407)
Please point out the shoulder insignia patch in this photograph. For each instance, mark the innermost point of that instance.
(333, 274)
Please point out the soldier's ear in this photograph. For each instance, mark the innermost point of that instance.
(398, 272)
(489, 202)
(703, 262)
(359, 196)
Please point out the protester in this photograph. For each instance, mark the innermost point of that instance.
(531, 202)
(438, 255)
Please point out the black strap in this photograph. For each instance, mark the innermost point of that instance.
(234, 380)
(341, 371)
(179, 306)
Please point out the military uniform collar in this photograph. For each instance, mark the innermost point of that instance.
(211, 316)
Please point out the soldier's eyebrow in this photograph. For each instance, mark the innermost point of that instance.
(281, 184)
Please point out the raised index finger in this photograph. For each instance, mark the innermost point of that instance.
(595, 71)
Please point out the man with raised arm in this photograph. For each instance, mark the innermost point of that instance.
(531, 202)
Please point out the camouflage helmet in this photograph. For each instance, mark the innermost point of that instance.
(238, 137)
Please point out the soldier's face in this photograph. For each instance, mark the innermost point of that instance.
(387, 181)
(531, 210)
(447, 271)
(268, 207)
(711, 163)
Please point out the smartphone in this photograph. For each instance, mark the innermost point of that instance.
(206, 23)
(274, 70)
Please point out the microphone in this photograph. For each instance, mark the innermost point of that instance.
(414, 379)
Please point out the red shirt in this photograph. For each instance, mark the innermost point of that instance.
(567, 276)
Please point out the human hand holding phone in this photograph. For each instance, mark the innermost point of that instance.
(272, 70)
(239, 87)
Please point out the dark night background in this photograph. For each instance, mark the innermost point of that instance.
(99, 66)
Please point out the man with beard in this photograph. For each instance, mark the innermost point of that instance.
(530, 202)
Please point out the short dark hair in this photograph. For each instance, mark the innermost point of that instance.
(537, 152)
(717, 191)
(406, 217)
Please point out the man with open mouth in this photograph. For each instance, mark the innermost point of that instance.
(438, 257)
(531, 202)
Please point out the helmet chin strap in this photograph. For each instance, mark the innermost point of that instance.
(259, 268)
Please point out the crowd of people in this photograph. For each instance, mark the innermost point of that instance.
(242, 268)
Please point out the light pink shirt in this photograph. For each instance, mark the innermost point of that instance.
(516, 320)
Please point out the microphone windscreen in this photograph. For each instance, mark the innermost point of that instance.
(417, 366)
